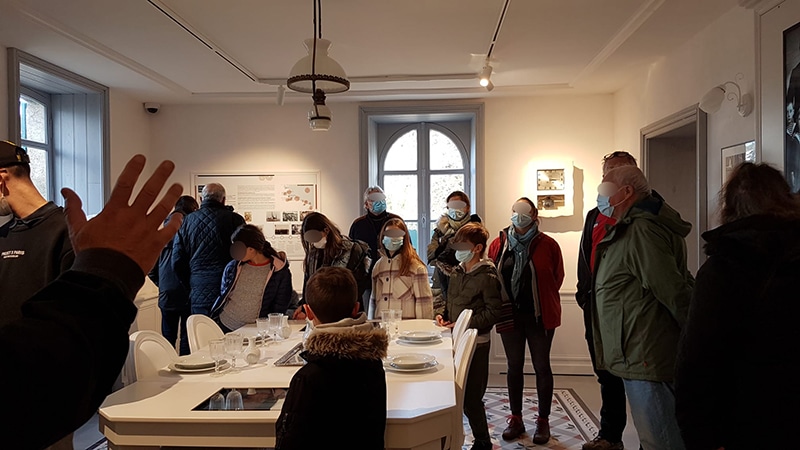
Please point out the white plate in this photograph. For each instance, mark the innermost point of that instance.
(410, 360)
(193, 362)
(420, 335)
(223, 365)
(418, 343)
(420, 369)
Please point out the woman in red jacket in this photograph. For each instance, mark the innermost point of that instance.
(531, 272)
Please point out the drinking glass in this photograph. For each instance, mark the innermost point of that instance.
(216, 348)
(233, 347)
(397, 316)
(233, 401)
(262, 323)
(216, 403)
(275, 326)
(389, 321)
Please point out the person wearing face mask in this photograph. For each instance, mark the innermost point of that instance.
(325, 246)
(640, 301)
(474, 285)
(440, 254)
(34, 242)
(257, 282)
(531, 271)
(367, 227)
(400, 278)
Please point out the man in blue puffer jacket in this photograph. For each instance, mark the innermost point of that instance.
(201, 248)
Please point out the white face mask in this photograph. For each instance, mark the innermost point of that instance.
(320, 243)
(464, 255)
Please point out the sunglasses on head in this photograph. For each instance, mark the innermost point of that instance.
(617, 154)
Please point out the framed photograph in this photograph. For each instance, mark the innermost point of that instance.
(736, 154)
(791, 105)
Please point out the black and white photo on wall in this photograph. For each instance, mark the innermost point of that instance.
(791, 67)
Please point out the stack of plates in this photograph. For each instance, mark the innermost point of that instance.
(410, 362)
(194, 363)
(419, 337)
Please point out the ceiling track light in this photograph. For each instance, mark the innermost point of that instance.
(484, 77)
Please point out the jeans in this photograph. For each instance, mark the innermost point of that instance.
(477, 380)
(528, 329)
(613, 415)
(171, 320)
(653, 410)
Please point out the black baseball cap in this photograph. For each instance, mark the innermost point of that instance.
(11, 155)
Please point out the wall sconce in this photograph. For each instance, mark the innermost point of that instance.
(711, 102)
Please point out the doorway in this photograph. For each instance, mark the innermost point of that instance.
(674, 162)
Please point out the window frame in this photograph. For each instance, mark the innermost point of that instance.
(47, 146)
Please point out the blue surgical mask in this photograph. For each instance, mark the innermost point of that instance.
(463, 255)
(521, 220)
(456, 214)
(391, 243)
(378, 206)
(604, 205)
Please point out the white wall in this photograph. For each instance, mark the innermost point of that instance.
(713, 56)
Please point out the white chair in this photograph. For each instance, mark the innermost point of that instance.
(462, 323)
(462, 360)
(201, 329)
(151, 353)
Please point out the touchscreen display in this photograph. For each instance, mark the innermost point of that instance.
(264, 399)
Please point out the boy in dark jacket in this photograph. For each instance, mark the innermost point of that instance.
(343, 356)
(474, 285)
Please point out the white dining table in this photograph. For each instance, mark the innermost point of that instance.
(159, 411)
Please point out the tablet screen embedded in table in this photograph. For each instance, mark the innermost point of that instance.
(263, 399)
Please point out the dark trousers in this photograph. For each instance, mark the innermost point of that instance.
(613, 415)
(477, 380)
(528, 329)
(171, 321)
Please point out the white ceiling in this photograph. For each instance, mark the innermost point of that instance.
(544, 46)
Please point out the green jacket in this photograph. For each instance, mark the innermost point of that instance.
(478, 290)
(642, 289)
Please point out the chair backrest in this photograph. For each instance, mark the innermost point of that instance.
(462, 360)
(462, 323)
(201, 329)
(151, 353)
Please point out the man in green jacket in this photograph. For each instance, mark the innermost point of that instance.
(642, 289)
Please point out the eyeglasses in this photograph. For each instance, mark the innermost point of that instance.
(617, 154)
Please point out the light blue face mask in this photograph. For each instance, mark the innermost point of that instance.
(463, 255)
(521, 220)
(604, 205)
(456, 214)
(392, 244)
(378, 206)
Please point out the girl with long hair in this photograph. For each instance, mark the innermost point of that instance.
(400, 278)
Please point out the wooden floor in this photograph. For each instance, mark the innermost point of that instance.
(585, 386)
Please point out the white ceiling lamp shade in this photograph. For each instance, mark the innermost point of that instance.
(319, 116)
(318, 74)
(712, 101)
(322, 72)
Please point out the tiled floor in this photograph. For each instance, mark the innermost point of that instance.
(585, 386)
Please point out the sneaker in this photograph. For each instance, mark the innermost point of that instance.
(515, 428)
(542, 434)
(481, 445)
(599, 443)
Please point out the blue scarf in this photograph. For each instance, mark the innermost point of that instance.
(519, 245)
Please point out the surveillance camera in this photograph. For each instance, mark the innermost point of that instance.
(152, 108)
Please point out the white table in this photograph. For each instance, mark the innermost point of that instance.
(158, 411)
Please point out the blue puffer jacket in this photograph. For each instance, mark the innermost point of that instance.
(277, 292)
(201, 249)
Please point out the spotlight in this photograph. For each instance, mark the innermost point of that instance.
(485, 74)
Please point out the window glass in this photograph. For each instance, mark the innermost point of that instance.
(401, 195)
(441, 187)
(33, 120)
(403, 153)
(444, 152)
(39, 166)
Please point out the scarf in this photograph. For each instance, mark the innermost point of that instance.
(519, 245)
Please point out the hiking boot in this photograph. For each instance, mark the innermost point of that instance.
(599, 443)
(515, 428)
(542, 434)
(481, 445)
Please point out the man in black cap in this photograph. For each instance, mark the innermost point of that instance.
(34, 245)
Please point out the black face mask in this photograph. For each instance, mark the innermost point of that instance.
(238, 250)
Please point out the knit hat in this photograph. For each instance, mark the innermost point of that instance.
(11, 155)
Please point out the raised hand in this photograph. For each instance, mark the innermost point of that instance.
(128, 228)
